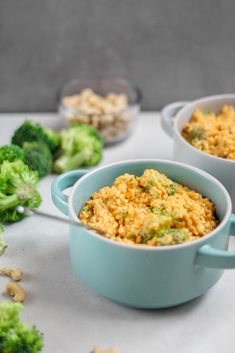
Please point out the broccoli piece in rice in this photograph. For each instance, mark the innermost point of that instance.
(152, 180)
(154, 224)
(172, 236)
(197, 133)
(171, 189)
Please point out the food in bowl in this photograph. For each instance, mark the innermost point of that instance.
(212, 133)
(91, 103)
(147, 276)
(150, 209)
(107, 114)
(109, 105)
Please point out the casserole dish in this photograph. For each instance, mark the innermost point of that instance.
(146, 276)
(175, 115)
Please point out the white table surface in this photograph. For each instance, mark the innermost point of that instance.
(72, 317)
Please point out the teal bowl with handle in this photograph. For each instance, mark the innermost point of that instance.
(145, 276)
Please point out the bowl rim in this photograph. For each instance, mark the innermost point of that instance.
(141, 247)
(182, 112)
(136, 89)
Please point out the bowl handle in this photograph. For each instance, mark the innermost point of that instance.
(168, 114)
(61, 183)
(214, 258)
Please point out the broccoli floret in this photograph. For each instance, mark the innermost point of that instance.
(81, 146)
(53, 137)
(38, 157)
(11, 153)
(16, 336)
(18, 186)
(31, 132)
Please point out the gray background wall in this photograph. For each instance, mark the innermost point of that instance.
(172, 49)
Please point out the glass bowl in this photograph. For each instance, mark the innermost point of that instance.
(114, 117)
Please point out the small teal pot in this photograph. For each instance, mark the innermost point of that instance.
(146, 277)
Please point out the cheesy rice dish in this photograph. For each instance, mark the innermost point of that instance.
(150, 209)
(212, 133)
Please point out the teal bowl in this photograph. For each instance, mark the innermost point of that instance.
(144, 276)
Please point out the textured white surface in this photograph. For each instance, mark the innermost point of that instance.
(72, 317)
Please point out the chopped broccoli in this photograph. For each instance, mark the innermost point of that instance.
(11, 153)
(31, 132)
(152, 180)
(171, 189)
(38, 157)
(172, 236)
(18, 186)
(131, 236)
(197, 133)
(85, 208)
(16, 336)
(154, 224)
(81, 146)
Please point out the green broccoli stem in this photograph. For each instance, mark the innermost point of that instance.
(9, 202)
(67, 162)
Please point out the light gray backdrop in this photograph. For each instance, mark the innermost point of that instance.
(172, 49)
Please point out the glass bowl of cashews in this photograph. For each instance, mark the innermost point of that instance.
(109, 105)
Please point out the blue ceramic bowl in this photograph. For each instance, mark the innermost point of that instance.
(146, 277)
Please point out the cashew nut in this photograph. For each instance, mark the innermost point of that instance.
(108, 350)
(16, 291)
(15, 273)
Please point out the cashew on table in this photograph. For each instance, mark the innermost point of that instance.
(14, 272)
(15, 291)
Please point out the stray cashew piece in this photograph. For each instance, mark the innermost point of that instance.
(15, 291)
(15, 272)
(108, 350)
